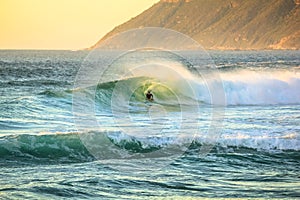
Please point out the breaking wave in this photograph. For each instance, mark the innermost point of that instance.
(68, 148)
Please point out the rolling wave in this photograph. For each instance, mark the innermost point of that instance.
(68, 148)
(241, 87)
(49, 148)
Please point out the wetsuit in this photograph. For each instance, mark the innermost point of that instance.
(149, 96)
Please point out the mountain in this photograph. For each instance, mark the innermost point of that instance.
(225, 24)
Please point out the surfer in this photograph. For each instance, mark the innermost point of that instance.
(149, 96)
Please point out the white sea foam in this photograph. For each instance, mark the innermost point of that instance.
(245, 87)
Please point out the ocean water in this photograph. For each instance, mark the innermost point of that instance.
(136, 149)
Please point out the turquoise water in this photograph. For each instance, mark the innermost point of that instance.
(44, 154)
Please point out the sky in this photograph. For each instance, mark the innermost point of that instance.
(62, 24)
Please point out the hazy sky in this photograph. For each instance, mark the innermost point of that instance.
(62, 24)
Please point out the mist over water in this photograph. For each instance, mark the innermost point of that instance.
(263, 87)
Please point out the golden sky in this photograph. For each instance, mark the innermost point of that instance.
(62, 24)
